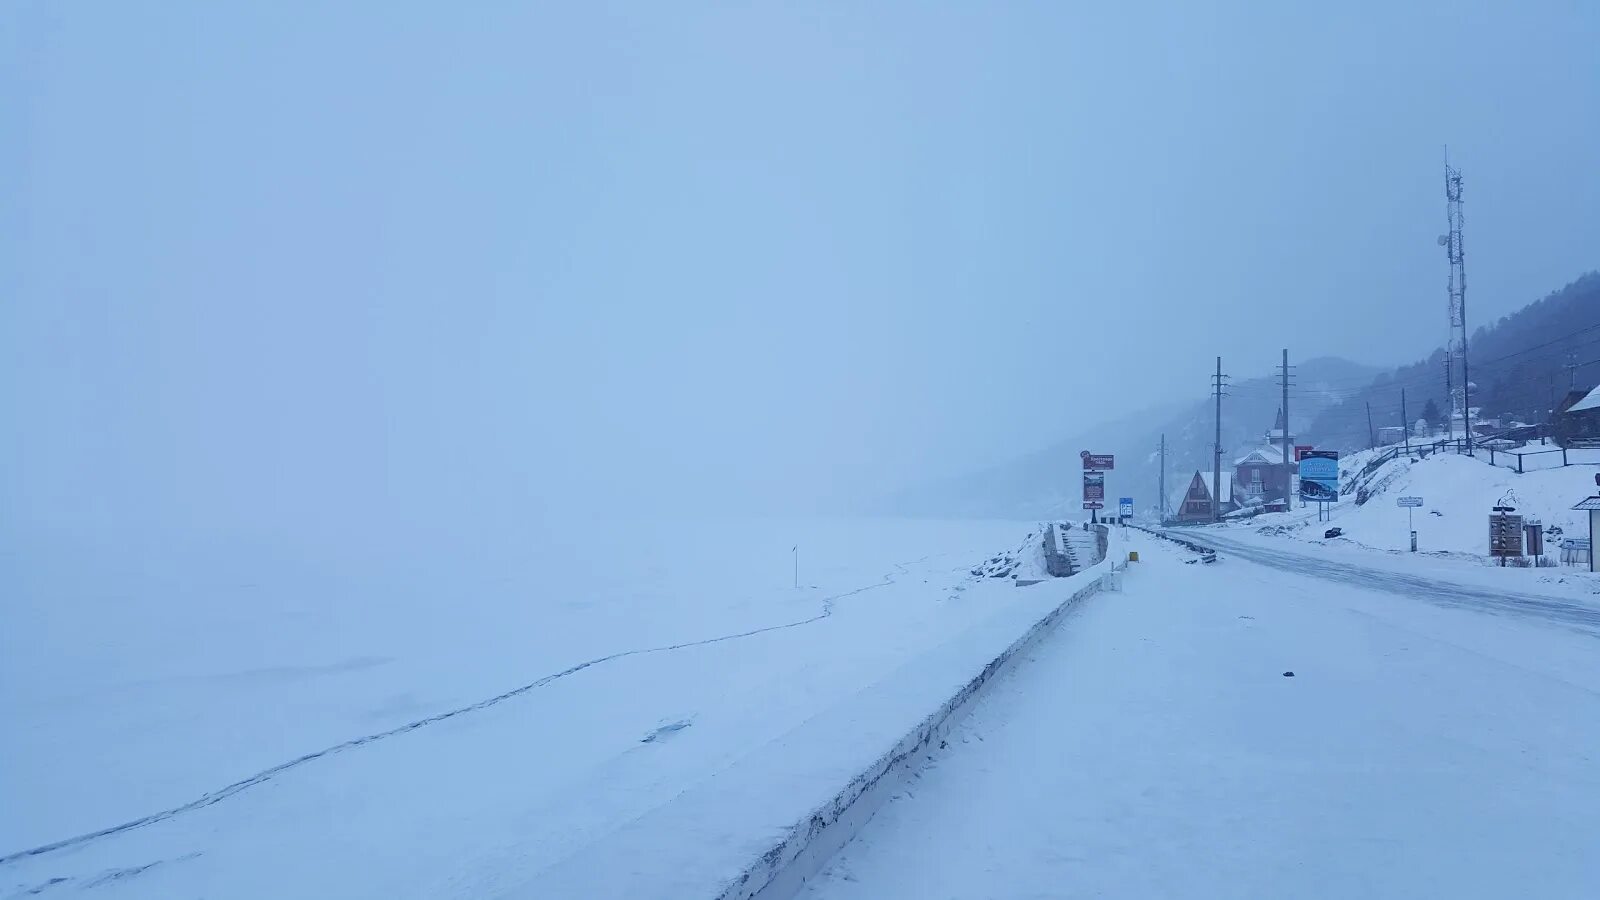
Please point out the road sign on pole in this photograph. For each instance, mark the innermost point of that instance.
(1125, 506)
(1100, 462)
(1410, 503)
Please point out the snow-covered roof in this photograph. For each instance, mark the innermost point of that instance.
(1266, 453)
(1176, 497)
(1590, 400)
(1227, 485)
(1181, 492)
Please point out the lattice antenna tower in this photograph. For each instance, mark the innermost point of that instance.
(1458, 389)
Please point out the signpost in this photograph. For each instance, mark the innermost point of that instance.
(1125, 507)
(1099, 462)
(1533, 538)
(1410, 503)
(1505, 533)
(1319, 478)
(1095, 465)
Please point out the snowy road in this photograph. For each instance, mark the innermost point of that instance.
(1572, 613)
(1152, 747)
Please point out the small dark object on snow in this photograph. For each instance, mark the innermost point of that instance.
(1288, 674)
(1333, 532)
(666, 731)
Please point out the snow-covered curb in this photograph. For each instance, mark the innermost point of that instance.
(770, 821)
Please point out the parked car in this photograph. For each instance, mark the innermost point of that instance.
(1333, 532)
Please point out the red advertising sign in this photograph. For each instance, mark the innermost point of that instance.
(1300, 450)
(1100, 462)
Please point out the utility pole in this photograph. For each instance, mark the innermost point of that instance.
(1450, 391)
(1163, 494)
(1288, 466)
(1572, 370)
(1372, 436)
(1216, 452)
(1405, 423)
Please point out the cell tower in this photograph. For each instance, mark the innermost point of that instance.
(1456, 348)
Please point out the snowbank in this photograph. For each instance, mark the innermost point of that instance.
(1458, 493)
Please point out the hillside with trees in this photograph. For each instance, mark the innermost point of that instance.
(1521, 367)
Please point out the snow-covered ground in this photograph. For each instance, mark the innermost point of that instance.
(437, 715)
(1153, 747)
(1458, 493)
(1452, 526)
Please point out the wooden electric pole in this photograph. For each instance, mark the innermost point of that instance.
(1405, 423)
(1288, 465)
(1163, 497)
(1216, 452)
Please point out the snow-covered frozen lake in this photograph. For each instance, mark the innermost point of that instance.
(147, 675)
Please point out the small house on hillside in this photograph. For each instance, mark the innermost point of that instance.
(1193, 503)
(1577, 419)
(1259, 477)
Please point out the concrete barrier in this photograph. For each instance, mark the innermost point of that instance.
(1055, 556)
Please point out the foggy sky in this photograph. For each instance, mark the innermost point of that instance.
(330, 261)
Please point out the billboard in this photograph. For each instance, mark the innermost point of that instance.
(1125, 506)
(1319, 475)
(1094, 486)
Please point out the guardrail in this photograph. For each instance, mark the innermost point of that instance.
(1201, 549)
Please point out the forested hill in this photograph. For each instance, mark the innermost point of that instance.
(1518, 367)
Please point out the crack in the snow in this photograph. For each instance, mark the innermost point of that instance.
(268, 774)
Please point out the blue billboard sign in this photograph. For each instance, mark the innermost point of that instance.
(1125, 506)
(1319, 475)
